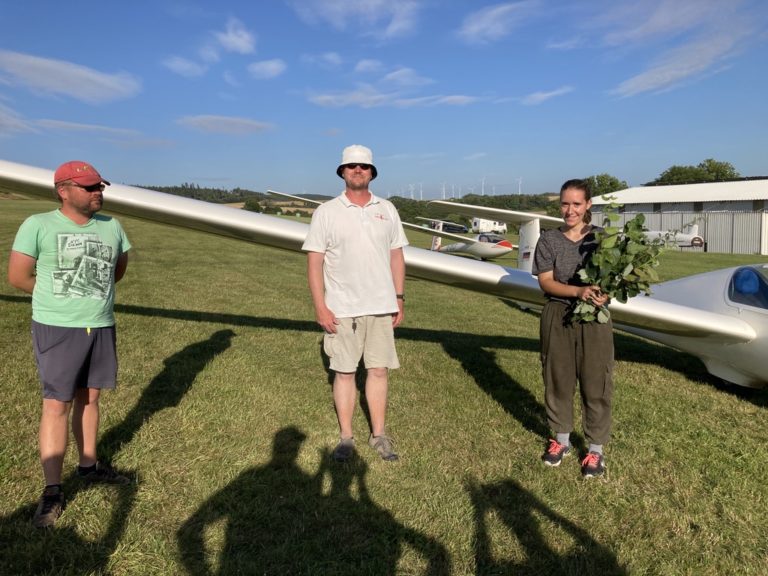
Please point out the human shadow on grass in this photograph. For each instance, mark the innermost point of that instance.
(166, 390)
(61, 550)
(276, 519)
(25, 549)
(528, 519)
(479, 360)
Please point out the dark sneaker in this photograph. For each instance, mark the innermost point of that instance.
(555, 453)
(103, 474)
(384, 446)
(344, 450)
(593, 465)
(49, 508)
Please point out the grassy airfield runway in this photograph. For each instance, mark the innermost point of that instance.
(223, 415)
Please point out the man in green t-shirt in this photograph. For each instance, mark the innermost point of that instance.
(69, 260)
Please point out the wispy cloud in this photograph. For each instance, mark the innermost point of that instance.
(64, 126)
(367, 96)
(368, 65)
(326, 59)
(476, 156)
(642, 21)
(362, 97)
(406, 77)
(62, 78)
(124, 138)
(397, 88)
(494, 22)
(230, 79)
(383, 19)
(209, 53)
(696, 38)
(539, 97)
(567, 44)
(184, 67)
(677, 66)
(224, 124)
(266, 69)
(236, 38)
(11, 122)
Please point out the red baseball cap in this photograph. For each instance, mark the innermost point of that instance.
(79, 172)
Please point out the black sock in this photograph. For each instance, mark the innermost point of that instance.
(85, 470)
(53, 489)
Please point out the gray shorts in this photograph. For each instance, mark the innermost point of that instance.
(368, 337)
(72, 358)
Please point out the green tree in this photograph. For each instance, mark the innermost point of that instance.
(252, 205)
(709, 170)
(719, 170)
(601, 184)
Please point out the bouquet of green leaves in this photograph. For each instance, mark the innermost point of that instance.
(622, 266)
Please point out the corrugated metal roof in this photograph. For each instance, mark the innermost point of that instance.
(708, 192)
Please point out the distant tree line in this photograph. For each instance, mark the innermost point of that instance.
(215, 195)
(709, 170)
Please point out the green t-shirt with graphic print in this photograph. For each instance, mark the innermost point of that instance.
(75, 283)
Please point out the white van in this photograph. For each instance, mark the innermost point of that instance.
(480, 225)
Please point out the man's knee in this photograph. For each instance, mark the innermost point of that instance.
(55, 408)
(343, 378)
(378, 373)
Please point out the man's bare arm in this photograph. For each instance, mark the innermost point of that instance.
(21, 271)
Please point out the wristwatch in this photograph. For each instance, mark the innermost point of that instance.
(400, 297)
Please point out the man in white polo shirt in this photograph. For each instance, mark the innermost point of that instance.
(356, 273)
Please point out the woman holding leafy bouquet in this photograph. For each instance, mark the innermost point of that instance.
(571, 350)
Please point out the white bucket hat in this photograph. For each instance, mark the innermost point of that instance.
(357, 154)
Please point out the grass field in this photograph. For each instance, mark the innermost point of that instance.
(223, 416)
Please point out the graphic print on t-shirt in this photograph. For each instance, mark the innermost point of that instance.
(85, 267)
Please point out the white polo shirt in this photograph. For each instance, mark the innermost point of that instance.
(357, 242)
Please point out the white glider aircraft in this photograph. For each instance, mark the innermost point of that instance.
(485, 246)
(688, 239)
(721, 317)
(482, 246)
(530, 225)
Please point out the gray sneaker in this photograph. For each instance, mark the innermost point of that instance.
(344, 450)
(384, 446)
(49, 508)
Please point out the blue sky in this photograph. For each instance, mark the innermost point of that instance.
(451, 95)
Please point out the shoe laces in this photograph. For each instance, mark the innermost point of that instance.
(591, 460)
(384, 439)
(555, 447)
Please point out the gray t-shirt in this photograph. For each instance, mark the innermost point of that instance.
(555, 252)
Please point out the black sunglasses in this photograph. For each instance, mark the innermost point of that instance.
(92, 188)
(361, 166)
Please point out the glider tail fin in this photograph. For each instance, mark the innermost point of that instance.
(529, 235)
(436, 240)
